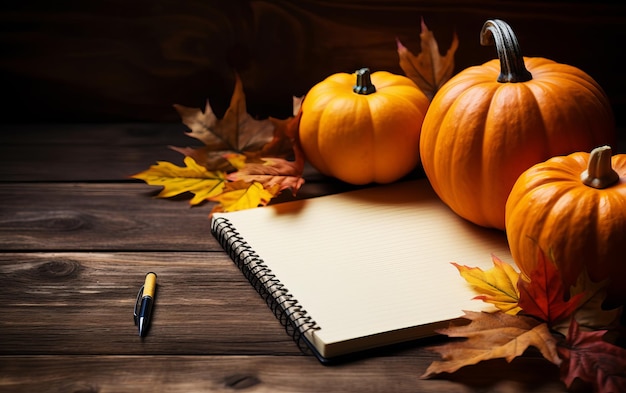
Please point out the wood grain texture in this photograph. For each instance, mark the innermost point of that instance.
(110, 60)
(94, 152)
(85, 216)
(110, 216)
(292, 374)
(82, 303)
(100, 152)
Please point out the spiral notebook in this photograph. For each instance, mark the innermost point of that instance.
(362, 269)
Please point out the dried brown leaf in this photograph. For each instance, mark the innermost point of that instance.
(429, 70)
(237, 132)
(492, 336)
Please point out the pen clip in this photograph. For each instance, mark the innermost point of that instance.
(136, 311)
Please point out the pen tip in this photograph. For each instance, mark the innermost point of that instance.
(142, 327)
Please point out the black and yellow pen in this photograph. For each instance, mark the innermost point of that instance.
(143, 314)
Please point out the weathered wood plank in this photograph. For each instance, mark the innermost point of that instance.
(184, 374)
(108, 216)
(91, 152)
(82, 303)
(117, 61)
(87, 152)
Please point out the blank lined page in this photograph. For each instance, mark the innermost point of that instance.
(373, 260)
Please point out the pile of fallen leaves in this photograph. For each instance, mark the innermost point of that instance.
(568, 326)
(246, 162)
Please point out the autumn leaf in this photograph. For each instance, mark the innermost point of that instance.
(492, 336)
(544, 296)
(249, 161)
(238, 161)
(241, 195)
(497, 285)
(272, 172)
(591, 313)
(236, 132)
(176, 180)
(429, 70)
(285, 138)
(588, 357)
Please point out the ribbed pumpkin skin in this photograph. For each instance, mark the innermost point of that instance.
(582, 227)
(359, 138)
(479, 135)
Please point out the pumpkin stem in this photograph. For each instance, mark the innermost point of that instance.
(599, 173)
(364, 82)
(512, 68)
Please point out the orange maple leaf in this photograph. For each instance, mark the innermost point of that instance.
(492, 336)
(497, 285)
(429, 70)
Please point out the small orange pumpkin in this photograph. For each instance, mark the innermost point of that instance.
(491, 122)
(364, 132)
(573, 208)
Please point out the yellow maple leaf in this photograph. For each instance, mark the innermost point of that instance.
(429, 70)
(176, 180)
(497, 285)
(241, 195)
(238, 161)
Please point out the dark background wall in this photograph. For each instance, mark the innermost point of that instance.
(120, 60)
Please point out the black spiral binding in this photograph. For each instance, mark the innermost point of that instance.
(286, 309)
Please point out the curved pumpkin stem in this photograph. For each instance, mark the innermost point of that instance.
(599, 173)
(364, 82)
(512, 67)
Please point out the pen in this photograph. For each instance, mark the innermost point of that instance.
(142, 317)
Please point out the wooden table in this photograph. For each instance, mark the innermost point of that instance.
(78, 236)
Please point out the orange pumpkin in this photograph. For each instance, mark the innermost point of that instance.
(491, 122)
(574, 208)
(364, 132)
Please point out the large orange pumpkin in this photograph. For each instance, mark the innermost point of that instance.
(574, 209)
(491, 122)
(363, 128)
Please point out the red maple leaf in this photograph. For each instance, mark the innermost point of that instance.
(544, 295)
(587, 356)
